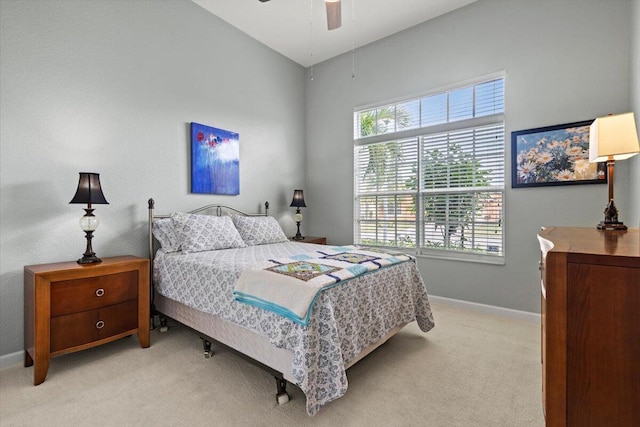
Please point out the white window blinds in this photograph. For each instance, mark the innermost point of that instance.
(429, 172)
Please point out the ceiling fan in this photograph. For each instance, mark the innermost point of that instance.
(334, 13)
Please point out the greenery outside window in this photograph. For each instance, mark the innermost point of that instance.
(429, 173)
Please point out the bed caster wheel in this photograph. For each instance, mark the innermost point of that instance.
(208, 352)
(164, 327)
(282, 398)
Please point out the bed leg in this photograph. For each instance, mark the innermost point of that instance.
(163, 324)
(207, 348)
(282, 396)
(152, 313)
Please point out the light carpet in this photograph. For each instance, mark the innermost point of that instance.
(472, 369)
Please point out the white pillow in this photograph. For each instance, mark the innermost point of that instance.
(165, 233)
(199, 233)
(259, 230)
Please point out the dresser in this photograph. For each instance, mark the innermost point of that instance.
(590, 327)
(70, 307)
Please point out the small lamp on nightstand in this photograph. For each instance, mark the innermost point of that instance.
(89, 192)
(611, 138)
(298, 202)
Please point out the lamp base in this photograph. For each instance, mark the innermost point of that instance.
(91, 259)
(612, 226)
(298, 236)
(611, 218)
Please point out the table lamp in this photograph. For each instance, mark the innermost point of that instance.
(89, 192)
(298, 202)
(611, 138)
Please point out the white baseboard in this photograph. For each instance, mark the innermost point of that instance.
(18, 357)
(8, 360)
(488, 309)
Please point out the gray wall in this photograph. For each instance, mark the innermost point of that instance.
(547, 50)
(111, 87)
(634, 184)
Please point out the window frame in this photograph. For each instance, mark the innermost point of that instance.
(419, 133)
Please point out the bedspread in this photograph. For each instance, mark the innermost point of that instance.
(344, 321)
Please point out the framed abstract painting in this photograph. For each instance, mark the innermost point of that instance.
(215, 160)
(554, 155)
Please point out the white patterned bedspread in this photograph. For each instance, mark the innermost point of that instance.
(345, 319)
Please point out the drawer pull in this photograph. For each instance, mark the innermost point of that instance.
(99, 292)
(100, 324)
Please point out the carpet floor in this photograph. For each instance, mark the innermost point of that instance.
(472, 369)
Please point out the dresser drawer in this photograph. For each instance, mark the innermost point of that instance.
(75, 329)
(73, 296)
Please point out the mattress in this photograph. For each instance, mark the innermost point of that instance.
(346, 319)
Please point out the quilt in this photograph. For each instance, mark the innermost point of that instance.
(290, 286)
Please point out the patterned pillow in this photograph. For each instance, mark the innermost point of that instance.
(259, 230)
(165, 232)
(199, 233)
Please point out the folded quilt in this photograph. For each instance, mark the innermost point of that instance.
(290, 286)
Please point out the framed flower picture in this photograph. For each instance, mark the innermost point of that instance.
(554, 155)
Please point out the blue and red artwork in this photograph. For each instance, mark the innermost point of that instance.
(215, 160)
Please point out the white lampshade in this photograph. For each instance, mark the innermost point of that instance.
(613, 136)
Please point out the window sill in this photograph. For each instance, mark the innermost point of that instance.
(465, 257)
(446, 255)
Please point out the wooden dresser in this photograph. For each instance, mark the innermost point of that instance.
(590, 327)
(70, 307)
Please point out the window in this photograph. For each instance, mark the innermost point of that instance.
(429, 173)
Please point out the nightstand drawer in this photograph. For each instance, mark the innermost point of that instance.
(73, 296)
(76, 329)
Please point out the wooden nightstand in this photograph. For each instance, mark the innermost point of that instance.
(311, 239)
(70, 307)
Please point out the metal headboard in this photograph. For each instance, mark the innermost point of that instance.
(219, 211)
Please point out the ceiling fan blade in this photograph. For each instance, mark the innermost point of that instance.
(334, 14)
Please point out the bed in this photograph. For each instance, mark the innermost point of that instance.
(194, 283)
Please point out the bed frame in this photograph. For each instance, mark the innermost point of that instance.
(241, 341)
(212, 329)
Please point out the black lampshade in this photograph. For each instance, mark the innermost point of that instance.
(298, 199)
(89, 191)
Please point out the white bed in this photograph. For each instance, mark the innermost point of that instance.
(347, 321)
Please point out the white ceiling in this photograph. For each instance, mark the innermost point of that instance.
(286, 25)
